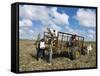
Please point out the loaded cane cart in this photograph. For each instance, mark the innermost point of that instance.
(63, 42)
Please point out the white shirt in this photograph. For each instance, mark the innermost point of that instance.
(89, 47)
(42, 45)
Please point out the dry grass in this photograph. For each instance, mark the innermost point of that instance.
(28, 62)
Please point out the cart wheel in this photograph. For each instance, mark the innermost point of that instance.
(75, 53)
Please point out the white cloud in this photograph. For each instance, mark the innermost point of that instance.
(31, 31)
(34, 12)
(20, 31)
(25, 30)
(71, 30)
(86, 17)
(49, 17)
(43, 14)
(26, 33)
(90, 36)
(25, 22)
(91, 32)
(54, 26)
(59, 18)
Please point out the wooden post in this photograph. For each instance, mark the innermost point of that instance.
(50, 52)
(62, 42)
(78, 41)
(67, 41)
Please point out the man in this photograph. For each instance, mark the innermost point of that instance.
(41, 50)
(89, 48)
(74, 40)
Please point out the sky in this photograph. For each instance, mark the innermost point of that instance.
(35, 19)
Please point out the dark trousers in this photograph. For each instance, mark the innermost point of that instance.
(40, 53)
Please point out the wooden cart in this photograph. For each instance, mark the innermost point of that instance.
(61, 43)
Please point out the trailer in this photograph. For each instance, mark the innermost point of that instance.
(61, 43)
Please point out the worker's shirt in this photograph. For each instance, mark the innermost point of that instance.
(42, 45)
(89, 47)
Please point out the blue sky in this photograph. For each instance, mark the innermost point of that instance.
(35, 19)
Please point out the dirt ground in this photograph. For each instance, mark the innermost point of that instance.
(28, 61)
